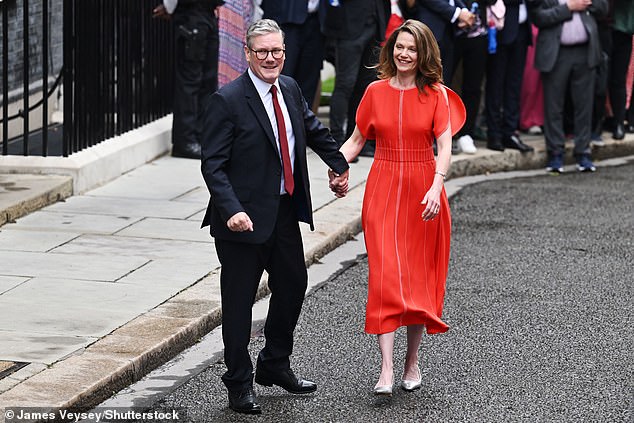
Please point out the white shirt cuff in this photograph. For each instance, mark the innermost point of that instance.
(170, 5)
(456, 14)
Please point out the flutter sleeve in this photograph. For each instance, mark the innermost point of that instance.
(449, 108)
(365, 114)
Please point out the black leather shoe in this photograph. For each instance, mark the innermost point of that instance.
(629, 128)
(619, 132)
(495, 145)
(514, 142)
(187, 151)
(286, 380)
(244, 401)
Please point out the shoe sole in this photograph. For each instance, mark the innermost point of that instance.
(237, 410)
(554, 171)
(382, 394)
(268, 383)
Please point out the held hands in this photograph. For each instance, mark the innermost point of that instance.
(578, 5)
(240, 222)
(466, 18)
(338, 183)
(160, 12)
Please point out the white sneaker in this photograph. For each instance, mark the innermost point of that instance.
(535, 130)
(465, 143)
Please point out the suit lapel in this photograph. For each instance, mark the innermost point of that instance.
(295, 114)
(255, 104)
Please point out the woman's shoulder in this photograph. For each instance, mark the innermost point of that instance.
(378, 85)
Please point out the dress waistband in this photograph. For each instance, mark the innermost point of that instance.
(404, 154)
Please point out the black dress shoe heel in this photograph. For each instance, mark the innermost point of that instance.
(285, 379)
(495, 145)
(619, 132)
(514, 142)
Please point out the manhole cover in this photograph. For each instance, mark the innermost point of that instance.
(8, 367)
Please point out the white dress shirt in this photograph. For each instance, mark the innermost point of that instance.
(170, 5)
(264, 90)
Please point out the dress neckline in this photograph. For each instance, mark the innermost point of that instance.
(389, 83)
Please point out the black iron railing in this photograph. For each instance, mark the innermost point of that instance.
(116, 73)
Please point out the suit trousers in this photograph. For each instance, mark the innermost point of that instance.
(446, 46)
(571, 70)
(505, 70)
(473, 54)
(196, 70)
(348, 60)
(304, 55)
(621, 50)
(282, 256)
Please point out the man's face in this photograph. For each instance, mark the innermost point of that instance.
(269, 68)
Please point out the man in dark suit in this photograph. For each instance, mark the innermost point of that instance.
(355, 26)
(567, 53)
(256, 131)
(301, 22)
(505, 71)
(443, 17)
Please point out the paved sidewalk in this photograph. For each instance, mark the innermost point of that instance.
(97, 290)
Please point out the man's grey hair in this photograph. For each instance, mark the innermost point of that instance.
(262, 27)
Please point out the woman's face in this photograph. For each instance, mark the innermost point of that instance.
(405, 53)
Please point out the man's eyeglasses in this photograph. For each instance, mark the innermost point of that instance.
(263, 54)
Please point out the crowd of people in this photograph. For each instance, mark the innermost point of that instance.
(395, 65)
(502, 85)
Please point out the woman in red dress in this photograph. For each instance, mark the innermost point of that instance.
(405, 214)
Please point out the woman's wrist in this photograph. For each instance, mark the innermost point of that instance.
(441, 174)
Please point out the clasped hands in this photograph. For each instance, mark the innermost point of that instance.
(161, 12)
(578, 5)
(338, 183)
(466, 19)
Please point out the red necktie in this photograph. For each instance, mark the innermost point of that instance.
(289, 183)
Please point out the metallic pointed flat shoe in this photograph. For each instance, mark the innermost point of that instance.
(385, 390)
(412, 385)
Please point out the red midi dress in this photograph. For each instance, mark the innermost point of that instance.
(408, 257)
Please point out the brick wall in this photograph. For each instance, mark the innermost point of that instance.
(15, 71)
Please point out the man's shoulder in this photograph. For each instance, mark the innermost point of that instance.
(233, 87)
(288, 81)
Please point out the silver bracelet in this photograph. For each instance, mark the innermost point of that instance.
(441, 174)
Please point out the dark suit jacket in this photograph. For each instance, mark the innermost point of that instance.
(347, 21)
(436, 14)
(549, 16)
(508, 34)
(291, 11)
(240, 160)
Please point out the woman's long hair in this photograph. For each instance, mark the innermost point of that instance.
(429, 67)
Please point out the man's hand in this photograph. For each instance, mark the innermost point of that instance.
(578, 5)
(240, 222)
(465, 19)
(160, 12)
(338, 183)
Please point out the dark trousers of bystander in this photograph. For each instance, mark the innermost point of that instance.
(473, 53)
(304, 55)
(505, 70)
(348, 60)
(195, 73)
(570, 70)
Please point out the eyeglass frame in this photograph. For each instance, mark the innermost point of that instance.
(258, 52)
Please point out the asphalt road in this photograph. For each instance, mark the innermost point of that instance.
(539, 300)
